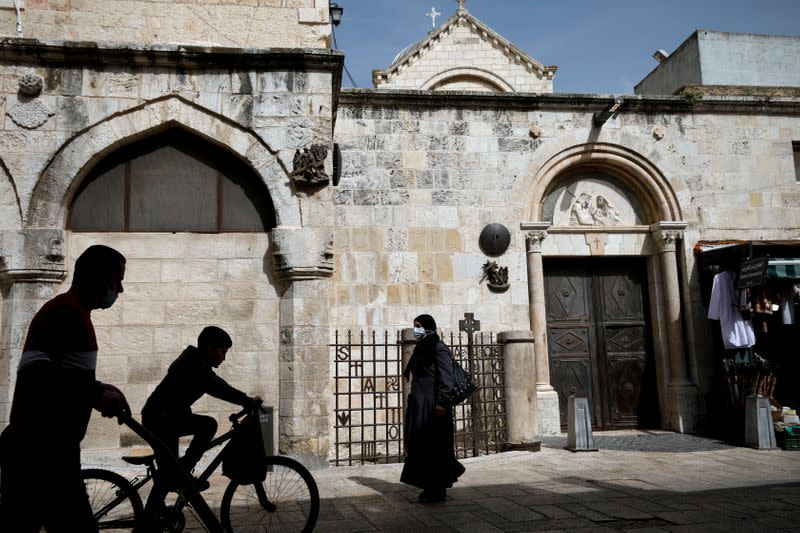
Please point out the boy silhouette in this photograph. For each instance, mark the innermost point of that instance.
(168, 410)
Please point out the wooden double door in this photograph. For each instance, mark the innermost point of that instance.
(599, 339)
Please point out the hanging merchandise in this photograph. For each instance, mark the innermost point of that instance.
(736, 331)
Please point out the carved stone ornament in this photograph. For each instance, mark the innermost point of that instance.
(31, 85)
(30, 114)
(535, 131)
(534, 240)
(494, 239)
(309, 165)
(496, 276)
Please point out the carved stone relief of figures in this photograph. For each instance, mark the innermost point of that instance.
(594, 211)
(593, 201)
(496, 276)
(309, 165)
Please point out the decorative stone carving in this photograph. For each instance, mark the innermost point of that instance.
(29, 112)
(303, 253)
(665, 234)
(30, 115)
(32, 254)
(593, 199)
(534, 240)
(31, 85)
(596, 243)
(496, 276)
(659, 132)
(535, 131)
(309, 165)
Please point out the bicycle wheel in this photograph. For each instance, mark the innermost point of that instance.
(116, 505)
(287, 500)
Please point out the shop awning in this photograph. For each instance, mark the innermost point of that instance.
(783, 267)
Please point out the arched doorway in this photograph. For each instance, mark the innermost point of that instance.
(598, 325)
(603, 247)
(194, 223)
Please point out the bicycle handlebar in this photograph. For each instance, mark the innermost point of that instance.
(234, 418)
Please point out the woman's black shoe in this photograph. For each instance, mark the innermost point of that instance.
(427, 496)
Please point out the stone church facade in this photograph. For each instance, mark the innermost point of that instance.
(603, 208)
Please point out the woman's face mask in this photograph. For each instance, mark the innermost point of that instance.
(419, 333)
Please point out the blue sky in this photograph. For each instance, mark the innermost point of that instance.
(599, 46)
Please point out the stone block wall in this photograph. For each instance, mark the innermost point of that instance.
(175, 285)
(420, 183)
(230, 23)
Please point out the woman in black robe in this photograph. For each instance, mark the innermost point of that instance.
(430, 462)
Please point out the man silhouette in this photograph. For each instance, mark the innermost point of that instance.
(40, 482)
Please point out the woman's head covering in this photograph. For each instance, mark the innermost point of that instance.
(427, 322)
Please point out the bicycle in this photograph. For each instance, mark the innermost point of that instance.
(287, 499)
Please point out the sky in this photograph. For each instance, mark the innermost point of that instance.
(599, 46)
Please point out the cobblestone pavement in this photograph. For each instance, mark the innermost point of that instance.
(638, 481)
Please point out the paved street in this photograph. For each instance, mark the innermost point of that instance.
(638, 481)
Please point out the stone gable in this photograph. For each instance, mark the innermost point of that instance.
(465, 55)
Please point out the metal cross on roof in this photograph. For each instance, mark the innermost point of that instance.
(469, 325)
(433, 14)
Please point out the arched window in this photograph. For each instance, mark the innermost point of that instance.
(173, 181)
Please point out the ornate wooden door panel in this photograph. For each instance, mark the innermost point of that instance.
(570, 337)
(622, 328)
(598, 339)
(571, 368)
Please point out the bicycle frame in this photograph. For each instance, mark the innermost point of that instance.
(189, 493)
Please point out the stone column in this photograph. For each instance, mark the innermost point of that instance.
(520, 379)
(547, 417)
(680, 412)
(31, 271)
(304, 260)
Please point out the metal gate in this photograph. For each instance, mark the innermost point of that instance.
(368, 396)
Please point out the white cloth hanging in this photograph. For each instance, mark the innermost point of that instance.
(736, 331)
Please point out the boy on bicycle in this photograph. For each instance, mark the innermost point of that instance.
(168, 413)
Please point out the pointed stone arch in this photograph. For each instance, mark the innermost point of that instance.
(10, 209)
(59, 182)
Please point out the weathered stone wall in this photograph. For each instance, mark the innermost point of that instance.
(175, 285)
(419, 184)
(231, 23)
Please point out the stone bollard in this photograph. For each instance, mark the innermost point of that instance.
(520, 380)
(579, 426)
(759, 432)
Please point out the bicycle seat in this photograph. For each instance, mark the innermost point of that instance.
(139, 459)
